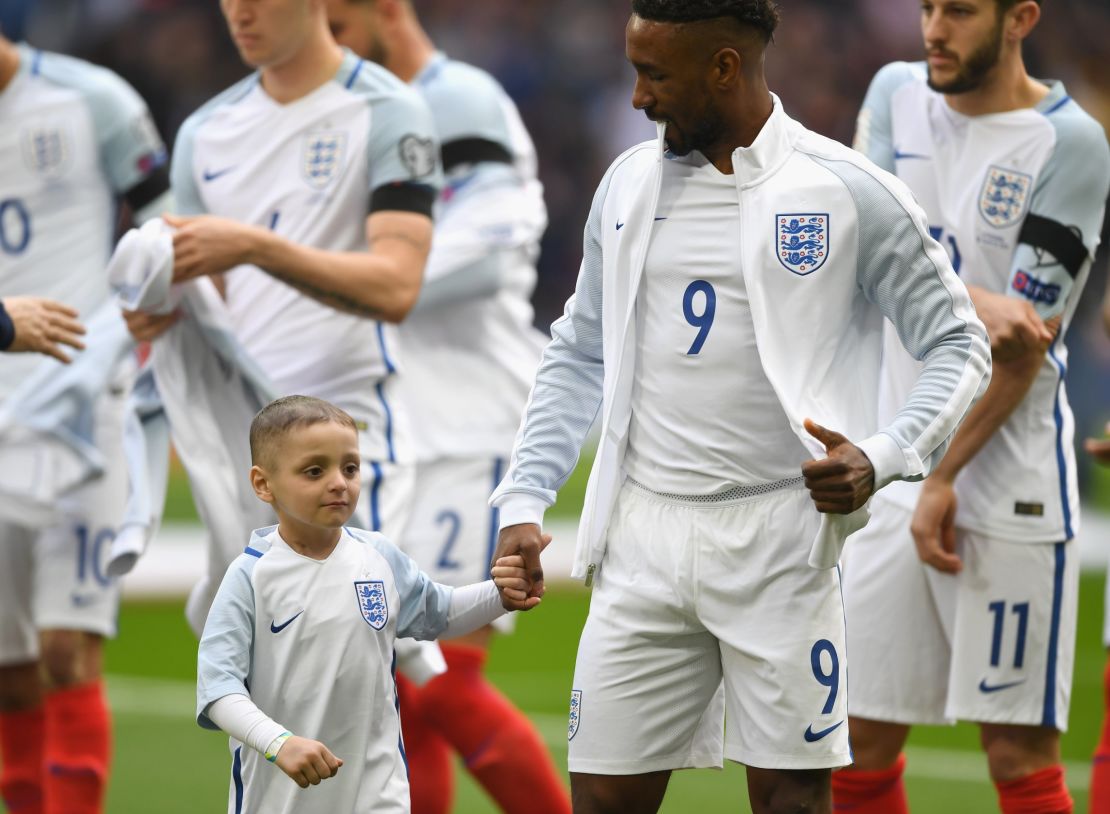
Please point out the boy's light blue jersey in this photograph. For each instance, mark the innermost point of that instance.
(74, 139)
(1017, 198)
(311, 642)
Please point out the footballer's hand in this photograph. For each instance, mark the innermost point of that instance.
(1013, 325)
(43, 326)
(145, 327)
(844, 479)
(525, 540)
(1099, 448)
(204, 245)
(307, 761)
(511, 577)
(934, 526)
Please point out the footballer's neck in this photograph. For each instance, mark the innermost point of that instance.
(315, 63)
(410, 50)
(1007, 87)
(9, 62)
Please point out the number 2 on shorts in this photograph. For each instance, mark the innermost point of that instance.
(830, 679)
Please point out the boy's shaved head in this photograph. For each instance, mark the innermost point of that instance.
(276, 419)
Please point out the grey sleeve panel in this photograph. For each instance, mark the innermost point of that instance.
(874, 125)
(466, 102)
(1071, 190)
(424, 603)
(567, 393)
(227, 644)
(183, 182)
(916, 289)
(130, 147)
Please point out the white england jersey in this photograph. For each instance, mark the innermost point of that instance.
(74, 138)
(704, 415)
(470, 349)
(307, 170)
(312, 643)
(1017, 199)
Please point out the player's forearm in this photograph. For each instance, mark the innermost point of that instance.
(1010, 382)
(367, 284)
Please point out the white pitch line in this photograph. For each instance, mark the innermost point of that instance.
(166, 698)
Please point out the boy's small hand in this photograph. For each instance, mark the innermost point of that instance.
(307, 761)
(510, 575)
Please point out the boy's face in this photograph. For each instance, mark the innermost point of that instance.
(313, 478)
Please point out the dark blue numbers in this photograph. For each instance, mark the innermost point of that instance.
(15, 226)
(704, 320)
(1021, 611)
(454, 522)
(830, 679)
(938, 235)
(90, 554)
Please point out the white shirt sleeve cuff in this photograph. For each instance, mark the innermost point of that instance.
(472, 607)
(886, 458)
(238, 716)
(519, 507)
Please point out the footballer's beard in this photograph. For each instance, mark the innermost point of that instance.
(377, 51)
(707, 130)
(973, 71)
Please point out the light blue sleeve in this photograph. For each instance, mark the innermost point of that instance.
(1066, 211)
(466, 102)
(183, 182)
(130, 147)
(227, 644)
(424, 603)
(874, 125)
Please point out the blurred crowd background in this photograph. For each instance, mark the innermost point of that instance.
(563, 63)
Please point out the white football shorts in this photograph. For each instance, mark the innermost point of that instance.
(710, 636)
(994, 644)
(55, 578)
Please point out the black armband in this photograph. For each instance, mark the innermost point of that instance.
(1062, 242)
(473, 151)
(148, 190)
(403, 196)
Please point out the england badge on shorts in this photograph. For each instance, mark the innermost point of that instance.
(1004, 196)
(372, 602)
(322, 158)
(802, 241)
(575, 713)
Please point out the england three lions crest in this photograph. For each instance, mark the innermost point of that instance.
(372, 603)
(1004, 196)
(323, 158)
(46, 151)
(802, 241)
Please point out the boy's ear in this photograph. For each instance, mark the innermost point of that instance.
(261, 484)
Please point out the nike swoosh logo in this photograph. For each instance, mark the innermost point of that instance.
(900, 156)
(212, 176)
(660, 218)
(813, 737)
(619, 225)
(82, 600)
(984, 687)
(274, 628)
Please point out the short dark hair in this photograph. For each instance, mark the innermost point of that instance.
(762, 15)
(1006, 5)
(276, 419)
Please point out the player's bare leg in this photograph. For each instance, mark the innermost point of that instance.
(796, 791)
(876, 745)
(21, 734)
(873, 783)
(1025, 766)
(618, 794)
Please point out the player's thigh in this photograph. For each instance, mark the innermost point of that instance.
(780, 625)
(18, 637)
(386, 497)
(899, 613)
(1014, 644)
(452, 529)
(646, 694)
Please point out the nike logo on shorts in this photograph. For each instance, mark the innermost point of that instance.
(82, 600)
(900, 156)
(276, 628)
(813, 737)
(212, 176)
(984, 687)
(619, 225)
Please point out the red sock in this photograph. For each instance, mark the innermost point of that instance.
(498, 745)
(1042, 792)
(870, 792)
(78, 750)
(1100, 771)
(21, 736)
(431, 776)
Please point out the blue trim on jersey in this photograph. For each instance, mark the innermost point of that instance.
(1061, 460)
(844, 660)
(397, 707)
(36, 62)
(375, 489)
(380, 389)
(1058, 105)
(494, 517)
(1049, 717)
(237, 778)
(254, 552)
(389, 366)
(354, 75)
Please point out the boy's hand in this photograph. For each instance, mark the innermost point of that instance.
(307, 761)
(510, 575)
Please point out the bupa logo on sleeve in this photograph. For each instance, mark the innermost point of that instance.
(802, 241)
(372, 602)
(1036, 290)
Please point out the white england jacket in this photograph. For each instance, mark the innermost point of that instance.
(818, 323)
